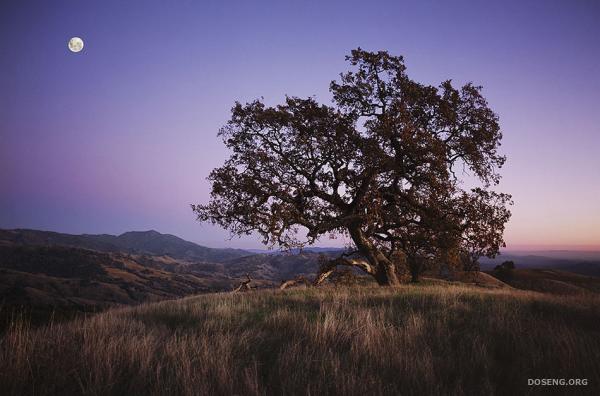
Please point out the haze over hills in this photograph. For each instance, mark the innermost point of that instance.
(310, 249)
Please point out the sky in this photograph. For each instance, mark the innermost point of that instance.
(122, 135)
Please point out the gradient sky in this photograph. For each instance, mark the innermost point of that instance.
(122, 135)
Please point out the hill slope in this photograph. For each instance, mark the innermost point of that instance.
(584, 263)
(49, 272)
(552, 281)
(60, 277)
(138, 242)
(414, 340)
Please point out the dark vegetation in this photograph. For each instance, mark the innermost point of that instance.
(505, 271)
(43, 282)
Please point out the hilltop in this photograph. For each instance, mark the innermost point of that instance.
(412, 340)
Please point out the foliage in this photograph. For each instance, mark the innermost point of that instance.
(505, 270)
(384, 165)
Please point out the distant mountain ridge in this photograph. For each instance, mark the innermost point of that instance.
(259, 262)
(586, 263)
(153, 249)
(133, 242)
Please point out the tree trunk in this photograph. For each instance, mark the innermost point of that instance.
(414, 266)
(386, 275)
(414, 276)
(385, 270)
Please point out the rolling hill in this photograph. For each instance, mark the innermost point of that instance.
(48, 271)
(59, 281)
(552, 281)
(135, 242)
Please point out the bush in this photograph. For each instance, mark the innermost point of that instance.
(505, 270)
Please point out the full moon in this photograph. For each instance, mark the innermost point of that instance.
(76, 44)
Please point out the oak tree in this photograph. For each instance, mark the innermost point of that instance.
(385, 164)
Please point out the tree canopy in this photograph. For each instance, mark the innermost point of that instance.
(385, 164)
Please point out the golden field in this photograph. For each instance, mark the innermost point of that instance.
(430, 338)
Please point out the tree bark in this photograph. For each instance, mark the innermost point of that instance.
(414, 265)
(293, 282)
(328, 268)
(386, 274)
(385, 270)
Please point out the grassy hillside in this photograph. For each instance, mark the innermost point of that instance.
(414, 340)
(551, 281)
(62, 281)
(87, 277)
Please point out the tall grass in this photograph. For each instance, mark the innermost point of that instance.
(366, 341)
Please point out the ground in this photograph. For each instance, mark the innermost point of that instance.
(431, 338)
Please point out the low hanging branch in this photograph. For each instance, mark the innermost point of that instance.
(327, 268)
(293, 282)
(244, 285)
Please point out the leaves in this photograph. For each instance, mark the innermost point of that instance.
(380, 164)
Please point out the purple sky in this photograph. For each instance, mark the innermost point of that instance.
(122, 135)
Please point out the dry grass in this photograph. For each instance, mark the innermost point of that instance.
(413, 340)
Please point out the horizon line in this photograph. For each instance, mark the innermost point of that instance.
(517, 247)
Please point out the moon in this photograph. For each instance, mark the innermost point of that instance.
(75, 44)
